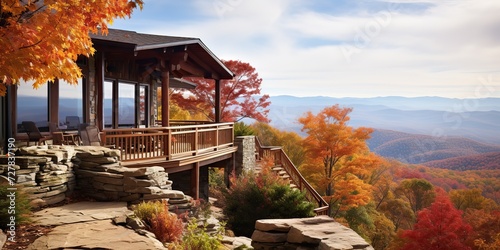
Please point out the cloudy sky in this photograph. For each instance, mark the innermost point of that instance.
(345, 48)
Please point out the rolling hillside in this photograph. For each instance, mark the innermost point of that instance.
(476, 119)
(417, 149)
(486, 161)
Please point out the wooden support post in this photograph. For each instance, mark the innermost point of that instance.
(54, 101)
(195, 181)
(165, 99)
(217, 101)
(229, 169)
(99, 89)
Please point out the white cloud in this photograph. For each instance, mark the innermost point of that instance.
(442, 49)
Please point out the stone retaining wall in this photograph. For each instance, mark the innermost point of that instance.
(49, 173)
(320, 232)
(44, 173)
(101, 176)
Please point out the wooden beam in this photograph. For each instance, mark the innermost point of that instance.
(209, 71)
(99, 89)
(195, 181)
(54, 101)
(179, 57)
(187, 67)
(217, 101)
(165, 98)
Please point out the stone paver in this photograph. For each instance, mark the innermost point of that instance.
(80, 212)
(101, 234)
(88, 225)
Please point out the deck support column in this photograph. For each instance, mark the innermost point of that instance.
(195, 181)
(165, 99)
(229, 169)
(217, 101)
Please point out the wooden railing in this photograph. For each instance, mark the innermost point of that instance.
(169, 142)
(281, 159)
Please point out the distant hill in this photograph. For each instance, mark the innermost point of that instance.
(486, 161)
(476, 119)
(418, 149)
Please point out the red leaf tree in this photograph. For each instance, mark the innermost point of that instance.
(240, 97)
(438, 227)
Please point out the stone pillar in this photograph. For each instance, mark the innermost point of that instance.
(245, 156)
(92, 92)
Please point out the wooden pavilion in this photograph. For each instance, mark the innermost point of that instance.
(119, 93)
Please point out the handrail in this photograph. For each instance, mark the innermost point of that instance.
(281, 158)
(169, 142)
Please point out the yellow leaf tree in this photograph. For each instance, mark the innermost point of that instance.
(41, 39)
(337, 158)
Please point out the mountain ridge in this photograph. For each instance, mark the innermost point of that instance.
(421, 149)
(476, 119)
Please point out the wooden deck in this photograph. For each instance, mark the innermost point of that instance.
(174, 147)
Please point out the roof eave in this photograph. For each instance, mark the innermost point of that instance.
(187, 42)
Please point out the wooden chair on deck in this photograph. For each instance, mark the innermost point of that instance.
(90, 135)
(33, 133)
(58, 137)
(82, 132)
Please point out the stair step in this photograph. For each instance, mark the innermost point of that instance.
(282, 172)
(277, 169)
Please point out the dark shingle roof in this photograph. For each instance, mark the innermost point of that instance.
(141, 40)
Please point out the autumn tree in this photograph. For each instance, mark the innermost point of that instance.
(41, 40)
(418, 192)
(438, 227)
(239, 96)
(336, 157)
(464, 199)
(289, 141)
(383, 232)
(485, 224)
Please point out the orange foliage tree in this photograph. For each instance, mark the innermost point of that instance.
(41, 40)
(239, 96)
(289, 141)
(337, 158)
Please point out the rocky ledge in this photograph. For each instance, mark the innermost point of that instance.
(320, 232)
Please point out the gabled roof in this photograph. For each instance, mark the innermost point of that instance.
(144, 42)
(141, 40)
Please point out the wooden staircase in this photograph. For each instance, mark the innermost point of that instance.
(280, 171)
(284, 167)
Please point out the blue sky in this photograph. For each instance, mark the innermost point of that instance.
(345, 48)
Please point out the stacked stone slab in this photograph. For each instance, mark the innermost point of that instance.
(43, 172)
(320, 232)
(101, 176)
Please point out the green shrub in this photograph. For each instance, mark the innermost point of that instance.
(216, 186)
(147, 210)
(263, 196)
(241, 129)
(19, 208)
(166, 226)
(197, 238)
